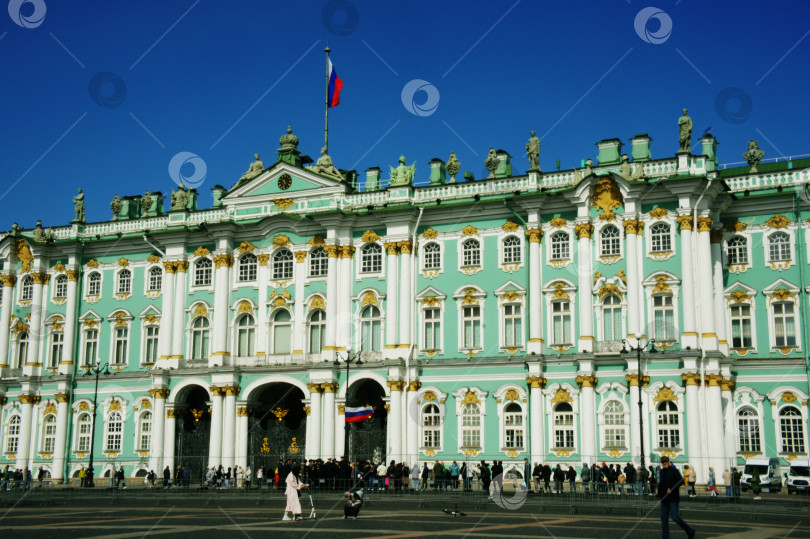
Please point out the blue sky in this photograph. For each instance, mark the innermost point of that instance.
(222, 80)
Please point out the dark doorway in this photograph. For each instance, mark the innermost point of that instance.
(277, 428)
(192, 432)
(367, 440)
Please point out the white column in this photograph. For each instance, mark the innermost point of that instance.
(66, 365)
(261, 318)
(344, 320)
(36, 331)
(330, 339)
(299, 316)
(717, 285)
(26, 423)
(5, 317)
(689, 330)
(242, 435)
(395, 420)
(716, 440)
(314, 441)
(167, 313)
(693, 441)
(535, 269)
(179, 320)
(340, 431)
(215, 440)
(635, 434)
(168, 443)
(328, 416)
(391, 298)
(158, 429)
(584, 232)
(726, 386)
(406, 295)
(60, 449)
(412, 423)
(229, 426)
(587, 416)
(631, 240)
(706, 284)
(222, 287)
(537, 419)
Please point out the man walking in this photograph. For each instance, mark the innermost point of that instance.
(669, 484)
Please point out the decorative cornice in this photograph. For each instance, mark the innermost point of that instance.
(558, 222)
(469, 230)
(666, 394)
(561, 395)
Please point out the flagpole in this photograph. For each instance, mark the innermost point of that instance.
(326, 121)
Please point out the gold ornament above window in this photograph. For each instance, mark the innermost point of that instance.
(561, 395)
(470, 398)
(665, 394)
(606, 195)
(370, 236)
(777, 221)
(430, 234)
(469, 230)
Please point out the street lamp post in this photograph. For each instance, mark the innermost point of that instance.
(94, 370)
(349, 359)
(638, 348)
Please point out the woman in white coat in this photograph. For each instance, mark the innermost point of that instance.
(293, 509)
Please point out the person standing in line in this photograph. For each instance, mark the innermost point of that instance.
(669, 484)
(260, 477)
(727, 481)
(415, 476)
(756, 483)
(527, 474)
(536, 473)
(653, 480)
(571, 475)
(248, 477)
(735, 482)
(485, 477)
(585, 474)
(454, 473)
(167, 476)
(692, 481)
(425, 476)
(559, 477)
(293, 509)
(465, 481)
(546, 478)
(712, 486)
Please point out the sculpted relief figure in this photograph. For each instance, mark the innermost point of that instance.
(685, 134)
(179, 198)
(533, 151)
(78, 202)
(325, 166)
(256, 168)
(402, 175)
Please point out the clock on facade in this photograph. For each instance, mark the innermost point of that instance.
(284, 181)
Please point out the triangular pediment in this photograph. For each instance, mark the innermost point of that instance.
(284, 181)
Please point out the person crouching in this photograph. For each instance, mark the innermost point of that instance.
(354, 501)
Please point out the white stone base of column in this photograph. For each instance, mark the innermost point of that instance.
(534, 347)
(393, 353)
(709, 341)
(585, 344)
(167, 363)
(689, 341)
(63, 368)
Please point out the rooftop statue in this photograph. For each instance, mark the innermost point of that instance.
(402, 175)
(116, 206)
(146, 203)
(39, 234)
(754, 155)
(533, 151)
(15, 229)
(325, 166)
(256, 168)
(179, 198)
(78, 202)
(626, 171)
(491, 162)
(685, 135)
(453, 166)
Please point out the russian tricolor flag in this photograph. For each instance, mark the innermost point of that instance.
(356, 415)
(335, 85)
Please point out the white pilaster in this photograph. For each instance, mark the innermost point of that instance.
(222, 292)
(166, 316)
(716, 440)
(215, 439)
(391, 300)
(340, 431)
(229, 426)
(395, 420)
(299, 316)
(158, 429)
(730, 425)
(717, 285)
(344, 320)
(537, 419)
(66, 365)
(314, 441)
(406, 295)
(412, 423)
(689, 331)
(168, 443)
(242, 434)
(587, 416)
(62, 418)
(328, 416)
(535, 270)
(330, 339)
(693, 440)
(706, 285)
(179, 319)
(36, 332)
(26, 424)
(631, 240)
(585, 273)
(5, 318)
(261, 318)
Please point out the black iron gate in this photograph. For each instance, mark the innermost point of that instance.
(271, 440)
(367, 440)
(192, 441)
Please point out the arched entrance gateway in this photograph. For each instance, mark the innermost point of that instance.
(192, 430)
(277, 425)
(366, 440)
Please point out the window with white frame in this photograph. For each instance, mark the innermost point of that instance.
(282, 332)
(21, 355)
(471, 326)
(84, 427)
(48, 437)
(123, 284)
(784, 324)
(612, 318)
(200, 337)
(513, 431)
(60, 287)
(433, 328)
(57, 345)
(151, 338)
(155, 279)
(791, 430)
(471, 253)
(27, 288)
(203, 271)
(120, 345)
(283, 265)
(144, 439)
(563, 417)
(13, 434)
(432, 257)
(669, 432)
(615, 431)
(610, 241)
(246, 336)
(318, 262)
(115, 431)
(94, 284)
(663, 318)
(317, 331)
(370, 329)
(512, 253)
(90, 346)
(471, 426)
(661, 237)
(560, 246)
(248, 268)
(779, 247)
(748, 427)
(737, 251)
(513, 325)
(431, 427)
(371, 258)
(561, 322)
(741, 333)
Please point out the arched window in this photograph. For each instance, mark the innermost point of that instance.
(669, 432)
(248, 265)
(94, 284)
(615, 436)
(155, 279)
(563, 426)
(561, 322)
(663, 317)
(370, 327)
(513, 426)
(610, 241)
(791, 429)
(123, 283)
(13, 434)
(471, 426)
(432, 257)
(612, 318)
(57, 343)
(513, 325)
(90, 346)
(779, 247)
(317, 330)
(22, 350)
(203, 270)
(660, 237)
(200, 331)
(27, 288)
(283, 265)
(748, 427)
(371, 258)
(84, 427)
(120, 345)
(737, 251)
(282, 332)
(560, 246)
(49, 433)
(144, 440)
(431, 427)
(471, 253)
(246, 336)
(60, 287)
(318, 262)
(115, 431)
(511, 250)
(471, 326)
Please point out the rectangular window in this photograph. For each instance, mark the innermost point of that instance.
(433, 332)
(741, 336)
(152, 335)
(513, 436)
(90, 346)
(564, 436)
(513, 330)
(664, 318)
(121, 342)
(146, 434)
(83, 445)
(57, 340)
(561, 322)
(471, 319)
(784, 325)
(615, 437)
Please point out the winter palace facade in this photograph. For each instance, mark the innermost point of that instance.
(481, 318)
